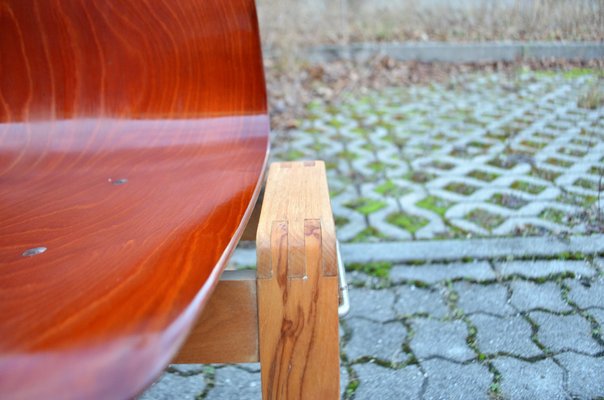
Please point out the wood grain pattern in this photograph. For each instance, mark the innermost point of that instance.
(298, 290)
(227, 330)
(133, 136)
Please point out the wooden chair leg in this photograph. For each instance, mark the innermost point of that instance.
(297, 285)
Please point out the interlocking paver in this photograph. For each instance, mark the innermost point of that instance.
(448, 380)
(476, 271)
(443, 339)
(371, 304)
(489, 299)
(561, 333)
(372, 339)
(542, 269)
(529, 296)
(488, 155)
(584, 375)
(523, 380)
(412, 300)
(173, 386)
(509, 335)
(387, 383)
(586, 294)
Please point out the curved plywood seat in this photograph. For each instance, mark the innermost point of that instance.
(133, 136)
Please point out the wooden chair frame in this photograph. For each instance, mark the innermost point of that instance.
(285, 314)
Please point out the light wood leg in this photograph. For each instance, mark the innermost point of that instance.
(297, 285)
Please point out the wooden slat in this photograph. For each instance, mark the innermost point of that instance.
(298, 285)
(227, 330)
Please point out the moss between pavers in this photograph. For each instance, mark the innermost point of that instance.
(527, 187)
(558, 162)
(380, 269)
(435, 204)
(369, 234)
(586, 184)
(576, 199)
(485, 219)
(340, 221)
(483, 176)
(410, 223)
(419, 176)
(502, 162)
(508, 201)
(596, 171)
(554, 215)
(461, 188)
(365, 206)
(390, 189)
(347, 155)
(533, 144)
(572, 152)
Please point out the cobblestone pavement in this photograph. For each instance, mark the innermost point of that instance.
(498, 330)
(483, 156)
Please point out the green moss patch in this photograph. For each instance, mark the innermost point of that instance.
(419, 176)
(347, 155)
(369, 234)
(380, 269)
(366, 206)
(390, 189)
(558, 162)
(441, 165)
(528, 187)
(435, 204)
(544, 174)
(340, 221)
(576, 199)
(485, 219)
(533, 144)
(410, 223)
(586, 184)
(461, 188)
(502, 162)
(483, 176)
(554, 215)
(508, 201)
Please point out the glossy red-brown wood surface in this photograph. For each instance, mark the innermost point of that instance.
(133, 137)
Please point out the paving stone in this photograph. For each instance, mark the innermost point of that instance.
(586, 294)
(448, 380)
(373, 339)
(473, 146)
(172, 386)
(528, 296)
(489, 299)
(235, 383)
(444, 339)
(561, 333)
(377, 382)
(510, 335)
(540, 269)
(523, 380)
(372, 304)
(413, 300)
(585, 375)
(478, 271)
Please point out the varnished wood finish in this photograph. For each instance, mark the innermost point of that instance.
(133, 136)
(227, 330)
(298, 285)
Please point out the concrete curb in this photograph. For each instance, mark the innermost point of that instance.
(452, 250)
(459, 52)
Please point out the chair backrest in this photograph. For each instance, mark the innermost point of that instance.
(133, 139)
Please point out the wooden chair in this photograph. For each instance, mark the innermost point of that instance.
(133, 142)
